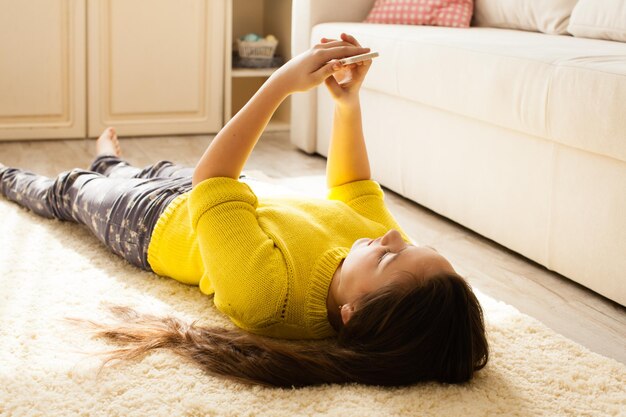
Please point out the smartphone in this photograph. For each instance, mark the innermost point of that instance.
(358, 58)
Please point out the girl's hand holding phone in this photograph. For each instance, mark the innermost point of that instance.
(345, 83)
(312, 67)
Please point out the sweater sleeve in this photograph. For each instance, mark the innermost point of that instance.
(366, 198)
(245, 269)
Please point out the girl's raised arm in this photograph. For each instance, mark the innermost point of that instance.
(228, 152)
(347, 154)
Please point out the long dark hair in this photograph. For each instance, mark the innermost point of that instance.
(432, 331)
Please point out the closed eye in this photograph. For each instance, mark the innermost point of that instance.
(380, 259)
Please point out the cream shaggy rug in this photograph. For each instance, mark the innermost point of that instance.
(50, 270)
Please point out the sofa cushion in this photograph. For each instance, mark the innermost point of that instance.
(547, 16)
(560, 88)
(599, 20)
(453, 13)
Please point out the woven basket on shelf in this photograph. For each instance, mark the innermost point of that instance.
(262, 49)
(239, 62)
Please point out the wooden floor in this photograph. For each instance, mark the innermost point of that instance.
(561, 304)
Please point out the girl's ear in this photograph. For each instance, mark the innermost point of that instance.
(346, 313)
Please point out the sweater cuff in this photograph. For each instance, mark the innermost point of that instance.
(350, 191)
(215, 191)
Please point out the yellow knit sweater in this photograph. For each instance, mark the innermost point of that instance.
(268, 263)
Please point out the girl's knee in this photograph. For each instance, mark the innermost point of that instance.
(104, 163)
(161, 166)
(62, 196)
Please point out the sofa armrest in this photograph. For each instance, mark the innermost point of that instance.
(305, 15)
(308, 13)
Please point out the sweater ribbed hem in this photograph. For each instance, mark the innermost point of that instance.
(154, 247)
(316, 311)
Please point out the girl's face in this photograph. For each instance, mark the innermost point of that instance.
(374, 263)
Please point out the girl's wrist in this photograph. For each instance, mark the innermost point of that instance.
(276, 86)
(350, 101)
(279, 83)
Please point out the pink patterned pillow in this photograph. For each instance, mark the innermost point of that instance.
(455, 13)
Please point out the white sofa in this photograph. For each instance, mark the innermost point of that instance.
(517, 135)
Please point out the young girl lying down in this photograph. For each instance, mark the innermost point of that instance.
(339, 269)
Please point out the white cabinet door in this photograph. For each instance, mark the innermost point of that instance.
(42, 69)
(155, 66)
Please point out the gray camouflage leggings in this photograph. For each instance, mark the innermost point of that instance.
(119, 203)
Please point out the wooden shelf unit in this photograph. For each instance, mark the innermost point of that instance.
(263, 17)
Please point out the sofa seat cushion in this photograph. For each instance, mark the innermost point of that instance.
(560, 88)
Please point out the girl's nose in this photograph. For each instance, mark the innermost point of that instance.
(391, 237)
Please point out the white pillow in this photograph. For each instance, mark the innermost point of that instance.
(547, 16)
(599, 19)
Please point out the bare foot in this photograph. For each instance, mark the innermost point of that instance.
(107, 143)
